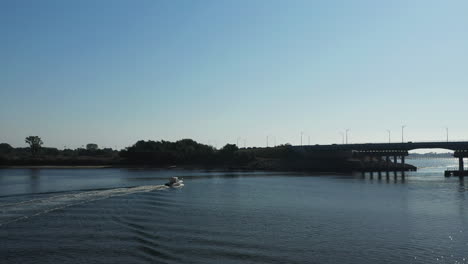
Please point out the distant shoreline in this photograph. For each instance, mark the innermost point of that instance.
(118, 167)
(275, 166)
(58, 167)
(128, 167)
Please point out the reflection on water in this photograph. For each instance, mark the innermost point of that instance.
(34, 180)
(122, 216)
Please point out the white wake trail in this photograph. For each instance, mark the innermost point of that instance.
(13, 212)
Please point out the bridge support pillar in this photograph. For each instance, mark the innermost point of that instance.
(460, 164)
(403, 167)
(387, 159)
(395, 162)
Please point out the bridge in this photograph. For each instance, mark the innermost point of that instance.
(395, 151)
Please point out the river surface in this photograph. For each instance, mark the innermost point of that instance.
(126, 216)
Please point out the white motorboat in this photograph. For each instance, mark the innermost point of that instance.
(175, 182)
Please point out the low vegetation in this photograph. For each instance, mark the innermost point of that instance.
(185, 153)
(142, 153)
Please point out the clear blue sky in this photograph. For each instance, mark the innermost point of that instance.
(113, 72)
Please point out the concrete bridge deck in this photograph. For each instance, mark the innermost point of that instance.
(394, 150)
(407, 146)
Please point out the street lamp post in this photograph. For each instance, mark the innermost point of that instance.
(402, 133)
(347, 130)
(446, 130)
(302, 133)
(389, 135)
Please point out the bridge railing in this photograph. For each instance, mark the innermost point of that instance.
(397, 142)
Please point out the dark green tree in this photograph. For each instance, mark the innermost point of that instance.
(229, 148)
(227, 152)
(35, 144)
(92, 147)
(5, 148)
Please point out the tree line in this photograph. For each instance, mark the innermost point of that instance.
(153, 153)
(37, 154)
(186, 153)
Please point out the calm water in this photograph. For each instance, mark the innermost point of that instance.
(125, 216)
